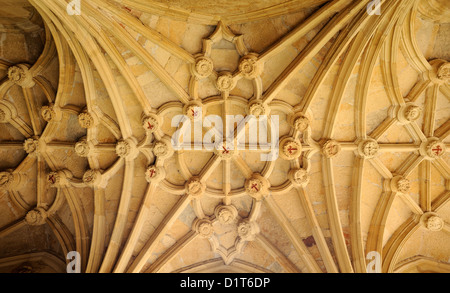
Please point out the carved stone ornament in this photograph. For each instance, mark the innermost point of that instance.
(440, 71)
(225, 214)
(59, 178)
(299, 177)
(6, 179)
(31, 146)
(36, 217)
(20, 74)
(331, 148)
(435, 223)
(151, 123)
(257, 186)
(301, 123)
(154, 174)
(161, 149)
(82, 148)
(48, 113)
(247, 230)
(435, 149)
(257, 108)
(194, 112)
(53, 178)
(225, 150)
(249, 66)
(127, 148)
(92, 177)
(204, 227)
(443, 72)
(403, 185)
(203, 67)
(368, 148)
(225, 82)
(195, 188)
(412, 112)
(290, 149)
(86, 120)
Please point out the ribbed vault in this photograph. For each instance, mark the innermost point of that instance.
(88, 163)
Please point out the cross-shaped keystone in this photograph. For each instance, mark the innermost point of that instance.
(52, 179)
(225, 150)
(255, 186)
(437, 150)
(290, 149)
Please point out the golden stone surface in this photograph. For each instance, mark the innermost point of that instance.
(369, 118)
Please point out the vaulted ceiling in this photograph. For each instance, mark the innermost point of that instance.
(89, 104)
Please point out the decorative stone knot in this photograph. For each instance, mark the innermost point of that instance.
(408, 113)
(162, 149)
(203, 227)
(249, 66)
(439, 72)
(400, 184)
(127, 148)
(154, 174)
(53, 178)
(412, 112)
(6, 179)
(257, 186)
(368, 148)
(225, 150)
(92, 177)
(247, 230)
(195, 188)
(36, 217)
(86, 120)
(290, 148)
(257, 108)
(48, 113)
(151, 123)
(403, 185)
(225, 82)
(225, 214)
(31, 146)
(435, 149)
(435, 223)
(203, 67)
(83, 148)
(20, 74)
(443, 72)
(299, 177)
(331, 148)
(123, 148)
(194, 112)
(59, 178)
(301, 123)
